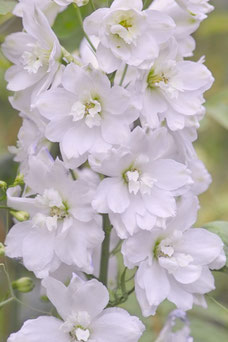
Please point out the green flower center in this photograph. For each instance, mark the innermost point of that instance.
(61, 212)
(153, 79)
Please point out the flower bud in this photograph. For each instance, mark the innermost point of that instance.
(3, 186)
(20, 215)
(24, 285)
(2, 249)
(19, 180)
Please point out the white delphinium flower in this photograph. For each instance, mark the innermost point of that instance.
(48, 7)
(62, 225)
(174, 263)
(128, 34)
(173, 90)
(87, 114)
(79, 3)
(36, 52)
(186, 24)
(84, 318)
(142, 181)
(179, 335)
(197, 8)
(30, 141)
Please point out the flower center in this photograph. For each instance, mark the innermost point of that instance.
(35, 58)
(80, 334)
(90, 111)
(77, 326)
(138, 181)
(123, 27)
(163, 248)
(54, 209)
(126, 23)
(60, 212)
(153, 79)
(168, 248)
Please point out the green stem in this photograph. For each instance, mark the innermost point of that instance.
(103, 277)
(69, 58)
(31, 307)
(147, 4)
(219, 304)
(92, 5)
(73, 174)
(7, 301)
(116, 249)
(124, 74)
(5, 207)
(81, 24)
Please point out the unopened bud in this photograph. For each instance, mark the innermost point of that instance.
(20, 215)
(3, 186)
(2, 249)
(24, 285)
(19, 180)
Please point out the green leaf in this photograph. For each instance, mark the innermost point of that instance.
(217, 107)
(221, 229)
(7, 6)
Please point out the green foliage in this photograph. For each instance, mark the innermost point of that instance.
(7, 6)
(217, 107)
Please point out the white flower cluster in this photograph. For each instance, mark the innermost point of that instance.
(121, 116)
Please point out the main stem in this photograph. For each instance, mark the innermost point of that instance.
(103, 277)
(81, 24)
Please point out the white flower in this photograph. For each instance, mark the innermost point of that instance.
(79, 3)
(62, 223)
(128, 34)
(173, 90)
(81, 306)
(142, 181)
(171, 333)
(87, 114)
(36, 52)
(197, 8)
(48, 7)
(186, 24)
(174, 263)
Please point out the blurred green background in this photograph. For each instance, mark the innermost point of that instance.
(212, 146)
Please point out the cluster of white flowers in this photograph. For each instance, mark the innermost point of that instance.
(121, 116)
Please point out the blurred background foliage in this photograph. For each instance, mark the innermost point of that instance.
(209, 325)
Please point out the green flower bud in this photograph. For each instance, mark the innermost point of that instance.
(19, 180)
(3, 186)
(20, 215)
(24, 285)
(2, 249)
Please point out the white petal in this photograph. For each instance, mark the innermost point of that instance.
(179, 296)
(154, 281)
(160, 203)
(170, 174)
(55, 103)
(116, 324)
(36, 241)
(76, 246)
(201, 244)
(15, 237)
(43, 328)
